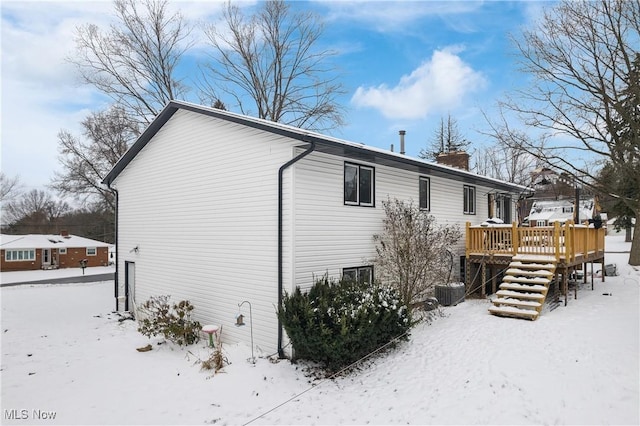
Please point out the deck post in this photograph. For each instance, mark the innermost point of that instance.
(492, 272)
(556, 240)
(484, 278)
(515, 238)
(565, 285)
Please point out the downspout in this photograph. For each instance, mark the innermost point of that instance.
(286, 165)
(115, 242)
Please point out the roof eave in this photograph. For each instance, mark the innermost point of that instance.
(323, 144)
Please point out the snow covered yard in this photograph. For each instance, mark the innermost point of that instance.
(64, 354)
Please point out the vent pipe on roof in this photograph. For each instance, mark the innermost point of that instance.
(391, 147)
(402, 133)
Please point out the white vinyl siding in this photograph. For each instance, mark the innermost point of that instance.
(330, 236)
(200, 203)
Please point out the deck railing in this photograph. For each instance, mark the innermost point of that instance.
(563, 241)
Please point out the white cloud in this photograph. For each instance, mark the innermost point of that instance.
(393, 16)
(41, 92)
(439, 84)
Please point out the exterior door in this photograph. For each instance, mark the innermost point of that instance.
(129, 282)
(46, 257)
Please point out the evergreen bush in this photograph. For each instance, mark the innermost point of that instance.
(339, 322)
(171, 321)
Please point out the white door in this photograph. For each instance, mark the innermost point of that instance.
(46, 257)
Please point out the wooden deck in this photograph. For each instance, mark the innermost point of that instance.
(568, 246)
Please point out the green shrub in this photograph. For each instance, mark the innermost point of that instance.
(339, 322)
(171, 321)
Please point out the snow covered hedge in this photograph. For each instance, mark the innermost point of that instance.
(339, 322)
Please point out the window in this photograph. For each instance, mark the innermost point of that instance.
(469, 199)
(19, 255)
(91, 251)
(504, 208)
(541, 223)
(358, 185)
(425, 194)
(362, 274)
(62, 251)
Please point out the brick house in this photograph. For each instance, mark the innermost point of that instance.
(36, 251)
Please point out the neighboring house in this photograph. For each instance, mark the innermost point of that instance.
(544, 213)
(611, 227)
(220, 208)
(36, 251)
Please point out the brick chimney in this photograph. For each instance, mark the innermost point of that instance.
(64, 233)
(458, 159)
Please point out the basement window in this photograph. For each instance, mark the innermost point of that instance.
(361, 274)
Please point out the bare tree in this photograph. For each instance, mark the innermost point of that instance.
(37, 208)
(411, 252)
(134, 62)
(10, 188)
(505, 159)
(581, 56)
(271, 66)
(447, 138)
(107, 135)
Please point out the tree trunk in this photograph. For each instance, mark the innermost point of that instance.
(634, 256)
(628, 234)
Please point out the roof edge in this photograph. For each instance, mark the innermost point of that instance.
(292, 132)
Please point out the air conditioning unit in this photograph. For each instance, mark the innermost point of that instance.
(450, 294)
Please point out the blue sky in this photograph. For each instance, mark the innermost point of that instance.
(404, 65)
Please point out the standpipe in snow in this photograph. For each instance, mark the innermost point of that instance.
(309, 150)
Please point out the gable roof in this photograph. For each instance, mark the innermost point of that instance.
(35, 241)
(560, 210)
(326, 144)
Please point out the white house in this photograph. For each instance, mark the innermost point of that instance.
(220, 208)
(545, 212)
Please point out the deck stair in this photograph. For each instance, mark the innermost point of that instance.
(524, 287)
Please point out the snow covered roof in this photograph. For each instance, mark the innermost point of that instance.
(323, 143)
(33, 241)
(560, 210)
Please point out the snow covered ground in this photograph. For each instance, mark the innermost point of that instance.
(66, 357)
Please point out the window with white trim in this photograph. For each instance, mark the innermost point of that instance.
(359, 183)
(19, 255)
(62, 250)
(425, 193)
(361, 274)
(91, 251)
(469, 202)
